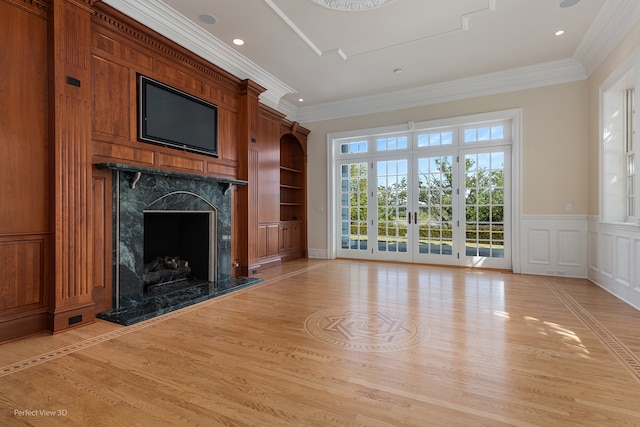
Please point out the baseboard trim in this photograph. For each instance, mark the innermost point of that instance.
(317, 253)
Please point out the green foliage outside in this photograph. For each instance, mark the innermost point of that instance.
(484, 197)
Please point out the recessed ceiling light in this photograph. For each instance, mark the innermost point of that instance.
(238, 42)
(300, 99)
(559, 32)
(207, 19)
(568, 3)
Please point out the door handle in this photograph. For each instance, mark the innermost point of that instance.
(415, 218)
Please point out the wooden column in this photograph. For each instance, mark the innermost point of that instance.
(70, 114)
(245, 221)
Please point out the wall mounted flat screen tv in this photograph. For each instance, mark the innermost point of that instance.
(170, 117)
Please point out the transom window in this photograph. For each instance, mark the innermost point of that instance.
(493, 132)
(392, 143)
(484, 133)
(434, 139)
(354, 147)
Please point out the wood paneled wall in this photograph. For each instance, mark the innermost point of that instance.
(120, 50)
(269, 166)
(25, 226)
(69, 87)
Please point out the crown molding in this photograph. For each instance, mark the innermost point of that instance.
(612, 23)
(166, 21)
(551, 73)
(287, 108)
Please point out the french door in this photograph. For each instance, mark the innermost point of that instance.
(449, 206)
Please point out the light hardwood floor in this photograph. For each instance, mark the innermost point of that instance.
(348, 343)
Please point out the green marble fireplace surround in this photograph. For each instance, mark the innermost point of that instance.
(190, 200)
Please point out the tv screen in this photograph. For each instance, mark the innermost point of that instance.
(173, 118)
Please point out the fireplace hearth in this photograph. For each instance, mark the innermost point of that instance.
(172, 242)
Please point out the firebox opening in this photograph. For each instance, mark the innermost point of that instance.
(178, 246)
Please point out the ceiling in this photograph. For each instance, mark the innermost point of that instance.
(401, 53)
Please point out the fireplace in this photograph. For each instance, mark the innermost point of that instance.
(179, 250)
(172, 242)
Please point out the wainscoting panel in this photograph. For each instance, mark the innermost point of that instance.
(606, 255)
(554, 245)
(636, 263)
(539, 247)
(623, 260)
(617, 268)
(22, 274)
(568, 243)
(594, 259)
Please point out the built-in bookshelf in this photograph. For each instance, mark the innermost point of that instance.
(292, 180)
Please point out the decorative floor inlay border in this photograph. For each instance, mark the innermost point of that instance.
(124, 330)
(81, 345)
(628, 358)
(366, 328)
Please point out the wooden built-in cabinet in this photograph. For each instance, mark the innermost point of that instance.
(268, 245)
(70, 71)
(282, 189)
(291, 237)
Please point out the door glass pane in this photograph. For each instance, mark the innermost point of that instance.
(484, 205)
(392, 205)
(435, 205)
(353, 206)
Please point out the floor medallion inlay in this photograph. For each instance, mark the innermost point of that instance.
(366, 328)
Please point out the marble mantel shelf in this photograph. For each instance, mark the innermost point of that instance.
(130, 168)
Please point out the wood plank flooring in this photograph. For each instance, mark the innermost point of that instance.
(345, 343)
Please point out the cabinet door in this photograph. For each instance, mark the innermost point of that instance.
(282, 236)
(290, 235)
(272, 239)
(268, 239)
(296, 236)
